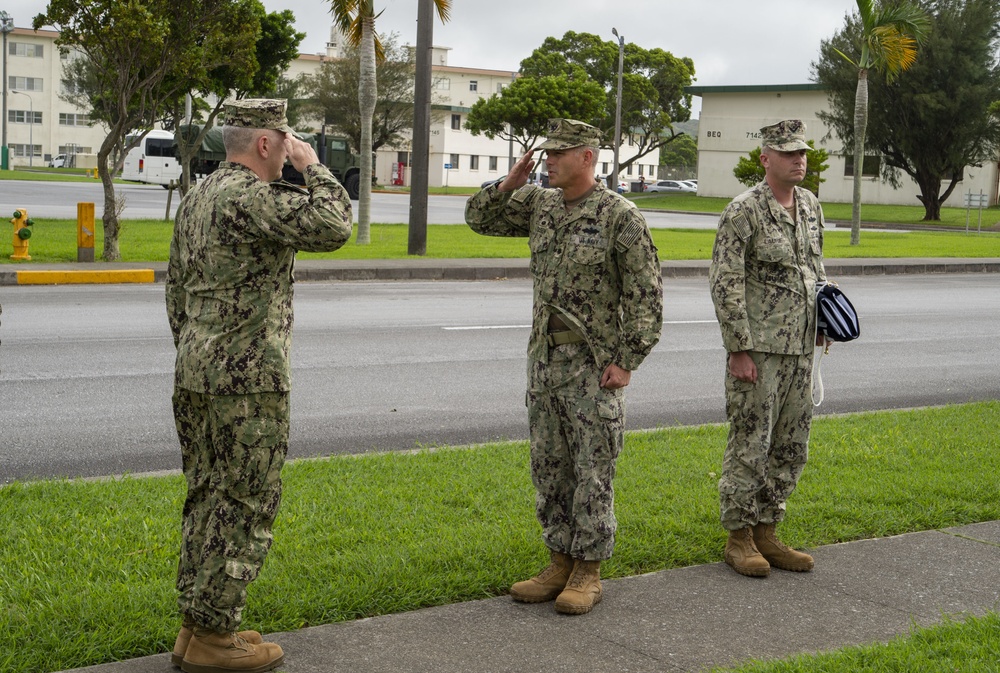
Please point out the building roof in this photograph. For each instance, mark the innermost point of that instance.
(752, 88)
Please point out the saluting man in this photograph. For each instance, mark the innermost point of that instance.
(598, 311)
(229, 303)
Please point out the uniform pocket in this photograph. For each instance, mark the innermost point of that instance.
(587, 270)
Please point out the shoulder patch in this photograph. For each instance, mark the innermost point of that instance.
(523, 193)
(289, 186)
(629, 235)
(741, 225)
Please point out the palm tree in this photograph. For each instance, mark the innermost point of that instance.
(356, 21)
(890, 35)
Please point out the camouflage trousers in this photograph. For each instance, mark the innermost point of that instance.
(768, 443)
(576, 429)
(233, 448)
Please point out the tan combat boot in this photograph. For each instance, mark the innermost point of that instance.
(547, 584)
(742, 556)
(184, 637)
(211, 652)
(583, 591)
(777, 553)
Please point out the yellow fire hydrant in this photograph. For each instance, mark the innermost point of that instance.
(22, 233)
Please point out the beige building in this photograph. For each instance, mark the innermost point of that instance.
(40, 125)
(731, 117)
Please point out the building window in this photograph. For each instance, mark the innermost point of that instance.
(473, 85)
(22, 150)
(474, 162)
(456, 122)
(75, 149)
(454, 161)
(869, 168)
(24, 117)
(25, 49)
(25, 83)
(604, 168)
(499, 87)
(71, 119)
(493, 164)
(403, 158)
(442, 84)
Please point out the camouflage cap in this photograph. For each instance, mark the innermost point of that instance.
(258, 113)
(567, 133)
(786, 136)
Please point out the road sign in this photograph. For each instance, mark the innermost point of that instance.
(447, 166)
(979, 200)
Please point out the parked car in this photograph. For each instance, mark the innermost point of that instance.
(540, 179)
(673, 186)
(58, 161)
(623, 185)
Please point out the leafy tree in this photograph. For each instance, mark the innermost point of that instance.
(934, 119)
(356, 21)
(681, 153)
(143, 54)
(749, 171)
(520, 112)
(888, 33)
(653, 82)
(276, 46)
(333, 96)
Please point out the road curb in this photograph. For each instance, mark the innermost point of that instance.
(423, 269)
(62, 277)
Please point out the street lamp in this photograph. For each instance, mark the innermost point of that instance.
(618, 102)
(31, 127)
(6, 26)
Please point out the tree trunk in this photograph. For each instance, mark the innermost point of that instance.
(860, 127)
(367, 93)
(930, 196)
(110, 218)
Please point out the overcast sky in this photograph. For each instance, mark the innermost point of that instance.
(731, 42)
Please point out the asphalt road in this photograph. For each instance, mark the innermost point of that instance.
(85, 372)
(59, 199)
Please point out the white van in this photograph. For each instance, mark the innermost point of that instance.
(152, 160)
(58, 161)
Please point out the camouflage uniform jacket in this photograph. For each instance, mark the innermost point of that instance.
(229, 280)
(764, 271)
(595, 266)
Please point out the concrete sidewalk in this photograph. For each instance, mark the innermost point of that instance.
(29, 273)
(676, 620)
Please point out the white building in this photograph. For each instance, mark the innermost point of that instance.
(731, 118)
(472, 159)
(40, 125)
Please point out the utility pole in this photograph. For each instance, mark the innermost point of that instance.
(618, 105)
(6, 26)
(417, 234)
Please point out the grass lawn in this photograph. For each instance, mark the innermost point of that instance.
(89, 565)
(46, 174)
(841, 212)
(149, 241)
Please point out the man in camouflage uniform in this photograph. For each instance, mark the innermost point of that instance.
(598, 310)
(229, 303)
(767, 258)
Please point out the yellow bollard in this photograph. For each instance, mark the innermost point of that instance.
(85, 232)
(22, 233)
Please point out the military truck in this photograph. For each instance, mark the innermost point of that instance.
(335, 154)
